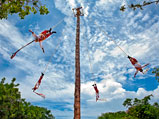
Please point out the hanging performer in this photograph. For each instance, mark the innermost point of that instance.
(43, 35)
(97, 91)
(137, 66)
(37, 86)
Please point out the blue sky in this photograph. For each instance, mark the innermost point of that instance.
(136, 32)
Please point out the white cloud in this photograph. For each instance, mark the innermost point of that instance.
(11, 33)
(107, 60)
(103, 2)
(146, 17)
(65, 6)
(98, 55)
(72, 3)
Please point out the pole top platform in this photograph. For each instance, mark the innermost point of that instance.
(78, 12)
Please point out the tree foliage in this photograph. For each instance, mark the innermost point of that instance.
(116, 115)
(12, 106)
(137, 109)
(142, 109)
(21, 7)
(140, 6)
(156, 72)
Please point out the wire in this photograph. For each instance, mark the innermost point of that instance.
(57, 23)
(13, 55)
(55, 48)
(91, 70)
(111, 39)
(52, 55)
(90, 64)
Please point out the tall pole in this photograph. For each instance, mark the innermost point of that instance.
(77, 111)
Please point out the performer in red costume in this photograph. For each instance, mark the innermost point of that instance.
(97, 91)
(43, 35)
(37, 86)
(137, 66)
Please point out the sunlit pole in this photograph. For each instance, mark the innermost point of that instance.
(77, 115)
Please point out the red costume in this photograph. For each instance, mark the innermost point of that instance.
(137, 66)
(96, 90)
(132, 60)
(38, 84)
(43, 35)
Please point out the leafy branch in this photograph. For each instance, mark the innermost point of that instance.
(156, 72)
(140, 6)
(22, 7)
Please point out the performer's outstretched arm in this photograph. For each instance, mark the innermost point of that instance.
(145, 65)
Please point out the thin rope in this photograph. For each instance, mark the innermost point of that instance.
(57, 23)
(90, 64)
(14, 54)
(52, 55)
(55, 48)
(111, 39)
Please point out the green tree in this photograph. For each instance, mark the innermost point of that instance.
(156, 72)
(116, 115)
(140, 6)
(128, 102)
(137, 109)
(22, 7)
(142, 109)
(12, 106)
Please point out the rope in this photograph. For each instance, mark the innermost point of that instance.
(111, 39)
(13, 55)
(90, 65)
(52, 55)
(55, 48)
(57, 23)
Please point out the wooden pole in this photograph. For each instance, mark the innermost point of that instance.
(77, 66)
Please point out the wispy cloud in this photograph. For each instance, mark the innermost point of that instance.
(135, 32)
